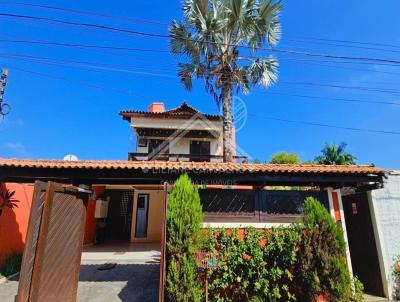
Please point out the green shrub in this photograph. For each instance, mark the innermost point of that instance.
(184, 217)
(396, 276)
(256, 266)
(358, 293)
(12, 265)
(321, 267)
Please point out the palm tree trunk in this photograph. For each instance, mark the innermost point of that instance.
(227, 122)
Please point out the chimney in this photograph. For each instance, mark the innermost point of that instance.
(156, 107)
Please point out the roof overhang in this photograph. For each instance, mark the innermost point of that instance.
(158, 172)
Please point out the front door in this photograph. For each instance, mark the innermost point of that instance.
(360, 234)
(142, 215)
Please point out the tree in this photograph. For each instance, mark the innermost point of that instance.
(285, 158)
(184, 217)
(210, 36)
(335, 155)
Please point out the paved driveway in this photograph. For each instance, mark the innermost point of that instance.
(134, 278)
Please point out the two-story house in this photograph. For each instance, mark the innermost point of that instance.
(179, 134)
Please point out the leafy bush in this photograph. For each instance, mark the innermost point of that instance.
(12, 265)
(358, 293)
(184, 217)
(321, 267)
(302, 262)
(285, 158)
(396, 275)
(253, 265)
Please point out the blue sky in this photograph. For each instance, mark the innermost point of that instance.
(62, 108)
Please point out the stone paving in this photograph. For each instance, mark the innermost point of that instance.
(135, 277)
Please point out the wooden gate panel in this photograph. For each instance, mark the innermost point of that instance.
(31, 241)
(56, 259)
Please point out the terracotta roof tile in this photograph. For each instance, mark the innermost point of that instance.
(184, 111)
(189, 166)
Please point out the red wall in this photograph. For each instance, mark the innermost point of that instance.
(14, 223)
(90, 228)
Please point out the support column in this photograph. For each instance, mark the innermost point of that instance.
(387, 286)
(336, 211)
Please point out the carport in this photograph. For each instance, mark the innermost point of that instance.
(73, 183)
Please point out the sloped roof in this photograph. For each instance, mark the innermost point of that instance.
(184, 111)
(191, 166)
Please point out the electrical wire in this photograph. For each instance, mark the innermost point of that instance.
(155, 35)
(86, 84)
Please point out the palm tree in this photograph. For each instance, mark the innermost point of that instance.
(211, 35)
(334, 155)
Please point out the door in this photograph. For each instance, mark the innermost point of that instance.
(360, 234)
(142, 215)
(199, 151)
(52, 254)
(119, 217)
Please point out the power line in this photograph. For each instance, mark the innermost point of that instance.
(325, 125)
(80, 83)
(152, 21)
(82, 12)
(154, 35)
(79, 45)
(329, 98)
(149, 71)
(87, 84)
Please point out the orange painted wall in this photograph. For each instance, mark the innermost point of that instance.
(90, 227)
(335, 201)
(14, 223)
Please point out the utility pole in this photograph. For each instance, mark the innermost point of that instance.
(4, 108)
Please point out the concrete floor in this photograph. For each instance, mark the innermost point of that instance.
(135, 277)
(370, 298)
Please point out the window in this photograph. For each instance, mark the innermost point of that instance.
(199, 151)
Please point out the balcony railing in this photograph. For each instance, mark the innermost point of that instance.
(183, 157)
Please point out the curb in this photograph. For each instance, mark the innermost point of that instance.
(7, 278)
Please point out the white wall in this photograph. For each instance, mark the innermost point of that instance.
(386, 211)
(182, 145)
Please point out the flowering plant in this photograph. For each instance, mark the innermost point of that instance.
(396, 268)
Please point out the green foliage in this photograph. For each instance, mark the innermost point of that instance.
(297, 263)
(285, 158)
(396, 275)
(358, 295)
(12, 265)
(184, 217)
(251, 270)
(335, 155)
(211, 36)
(321, 266)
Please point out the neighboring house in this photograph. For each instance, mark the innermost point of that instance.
(129, 198)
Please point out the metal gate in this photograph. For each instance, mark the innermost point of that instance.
(52, 255)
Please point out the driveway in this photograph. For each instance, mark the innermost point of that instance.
(135, 276)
